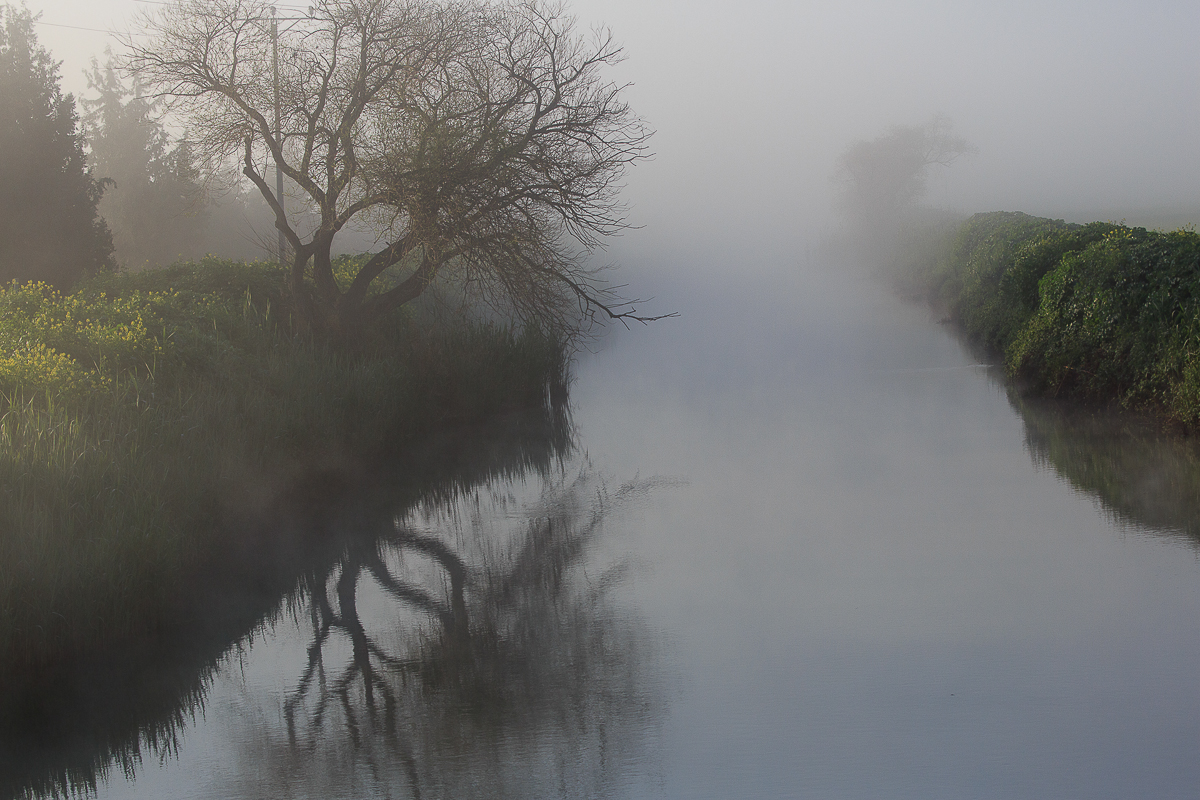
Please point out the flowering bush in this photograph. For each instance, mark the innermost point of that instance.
(76, 344)
(27, 365)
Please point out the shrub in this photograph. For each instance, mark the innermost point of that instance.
(1099, 311)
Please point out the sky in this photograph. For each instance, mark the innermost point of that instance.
(1081, 110)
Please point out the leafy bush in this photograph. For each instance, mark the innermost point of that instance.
(1119, 319)
(980, 281)
(69, 346)
(1099, 311)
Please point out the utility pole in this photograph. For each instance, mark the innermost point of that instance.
(278, 126)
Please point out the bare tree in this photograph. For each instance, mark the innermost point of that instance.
(480, 140)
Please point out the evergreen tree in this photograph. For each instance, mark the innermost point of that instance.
(49, 226)
(154, 203)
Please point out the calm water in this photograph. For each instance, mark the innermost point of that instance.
(807, 547)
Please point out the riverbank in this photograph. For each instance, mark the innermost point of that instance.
(1102, 313)
(144, 416)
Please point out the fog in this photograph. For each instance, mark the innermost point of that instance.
(1075, 108)
(1079, 110)
(871, 578)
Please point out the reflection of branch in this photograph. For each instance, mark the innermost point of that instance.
(322, 619)
(431, 546)
(454, 566)
(541, 658)
(547, 555)
(347, 604)
(409, 594)
(364, 648)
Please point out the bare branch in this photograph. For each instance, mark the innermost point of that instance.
(481, 135)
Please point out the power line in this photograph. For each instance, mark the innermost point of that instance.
(74, 27)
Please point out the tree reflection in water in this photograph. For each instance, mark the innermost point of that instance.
(450, 657)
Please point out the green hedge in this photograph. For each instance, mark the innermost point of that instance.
(1100, 312)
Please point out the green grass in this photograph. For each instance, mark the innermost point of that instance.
(140, 412)
(1100, 312)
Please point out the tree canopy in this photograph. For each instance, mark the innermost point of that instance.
(49, 227)
(480, 140)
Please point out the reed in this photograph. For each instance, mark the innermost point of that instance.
(142, 411)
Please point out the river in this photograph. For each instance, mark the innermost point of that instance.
(807, 545)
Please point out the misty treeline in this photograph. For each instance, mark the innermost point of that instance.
(161, 202)
(157, 202)
(108, 187)
(49, 227)
(476, 145)
(480, 141)
(880, 185)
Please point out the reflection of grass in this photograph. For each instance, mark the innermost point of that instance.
(69, 724)
(176, 403)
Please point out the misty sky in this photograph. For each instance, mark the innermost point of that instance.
(1077, 108)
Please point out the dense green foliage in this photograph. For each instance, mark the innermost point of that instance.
(137, 411)
(1100, 311)
(49, 228)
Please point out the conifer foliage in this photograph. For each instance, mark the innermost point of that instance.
(154, 205)
(49, 226)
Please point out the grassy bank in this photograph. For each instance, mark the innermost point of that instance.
(1099, 312)
(142, 412)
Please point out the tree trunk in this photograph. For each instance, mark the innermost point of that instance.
(322, 308)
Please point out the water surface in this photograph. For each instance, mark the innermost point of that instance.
(807, 546)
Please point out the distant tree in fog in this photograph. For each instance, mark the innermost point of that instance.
(883, 179)
(154, 203)
(49, 227)
(479, 138)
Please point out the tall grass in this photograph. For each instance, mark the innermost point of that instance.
(166, 401)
